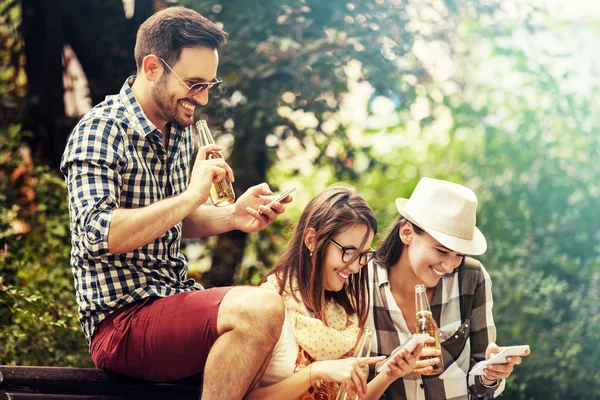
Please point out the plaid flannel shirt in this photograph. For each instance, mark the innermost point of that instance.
(462, 307)
(115, 158)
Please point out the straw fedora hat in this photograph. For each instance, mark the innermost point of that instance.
(446, 211)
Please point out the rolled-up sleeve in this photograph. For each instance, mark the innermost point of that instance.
(483, 331)
(93, 167)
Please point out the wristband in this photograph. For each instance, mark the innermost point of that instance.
(494, 382)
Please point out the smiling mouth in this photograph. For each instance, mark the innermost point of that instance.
(187, 105)
(437, 271)
(343, 276)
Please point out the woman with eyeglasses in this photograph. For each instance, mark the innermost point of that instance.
(324, 289)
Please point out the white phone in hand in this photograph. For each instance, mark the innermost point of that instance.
(281, 196)
(499, 358)
(410, 345)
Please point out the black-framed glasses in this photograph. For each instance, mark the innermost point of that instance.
(196, 88)
(349, 253)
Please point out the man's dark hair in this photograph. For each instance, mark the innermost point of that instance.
(170, 30)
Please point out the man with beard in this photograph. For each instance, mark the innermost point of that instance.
(133, 194)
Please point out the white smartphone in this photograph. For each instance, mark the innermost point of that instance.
(282, 195)
(499, 358)
(410, 345)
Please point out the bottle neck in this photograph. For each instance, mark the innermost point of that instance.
(421, 301)
(204, 133)
(363, 346)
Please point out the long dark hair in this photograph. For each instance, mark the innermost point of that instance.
(389, 250)
(170, 30)
(332, 211)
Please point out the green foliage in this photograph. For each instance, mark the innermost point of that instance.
(538, 186)
(558, 318)
(529, 153)
(284, 61)
(38, 313)
(12, 61)
(541, 211)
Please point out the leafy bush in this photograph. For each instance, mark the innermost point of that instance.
(38, 313)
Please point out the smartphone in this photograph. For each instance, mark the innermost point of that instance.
(282, 195)
(410, 345)
(499, 358)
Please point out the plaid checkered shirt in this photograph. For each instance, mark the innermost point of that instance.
(115, 158)
(462, 307)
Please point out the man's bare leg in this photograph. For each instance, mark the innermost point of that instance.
(249, 324)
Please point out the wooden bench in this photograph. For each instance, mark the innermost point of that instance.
(34, 383)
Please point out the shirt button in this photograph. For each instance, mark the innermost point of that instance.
(92, 237)
(422, 386)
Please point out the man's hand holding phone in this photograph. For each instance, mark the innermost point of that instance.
(282, 196)
(253, 211)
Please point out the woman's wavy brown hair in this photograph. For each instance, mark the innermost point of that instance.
(332, 211)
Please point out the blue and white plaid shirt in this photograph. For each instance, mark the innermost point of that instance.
(115, 158)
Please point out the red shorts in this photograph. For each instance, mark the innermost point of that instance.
(160, 339)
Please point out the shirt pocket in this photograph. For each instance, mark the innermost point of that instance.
(457, 355)
(180, 174)
(455, 334)
(454, 339)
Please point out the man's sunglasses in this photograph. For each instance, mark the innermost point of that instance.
(196, 88)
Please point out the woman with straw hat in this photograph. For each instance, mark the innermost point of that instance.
(429, 245)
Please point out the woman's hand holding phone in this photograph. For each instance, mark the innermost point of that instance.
(404, 362)
(500, 362)
(425, 365)
(407, 347)
(347, 371)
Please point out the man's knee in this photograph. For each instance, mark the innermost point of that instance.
(265, 308)
(253, 309)
(269, 307)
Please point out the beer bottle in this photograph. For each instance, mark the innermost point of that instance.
(362, 349)
(426, 324)
(221, 193)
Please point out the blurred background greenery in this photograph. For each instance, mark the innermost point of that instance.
(501, 96)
